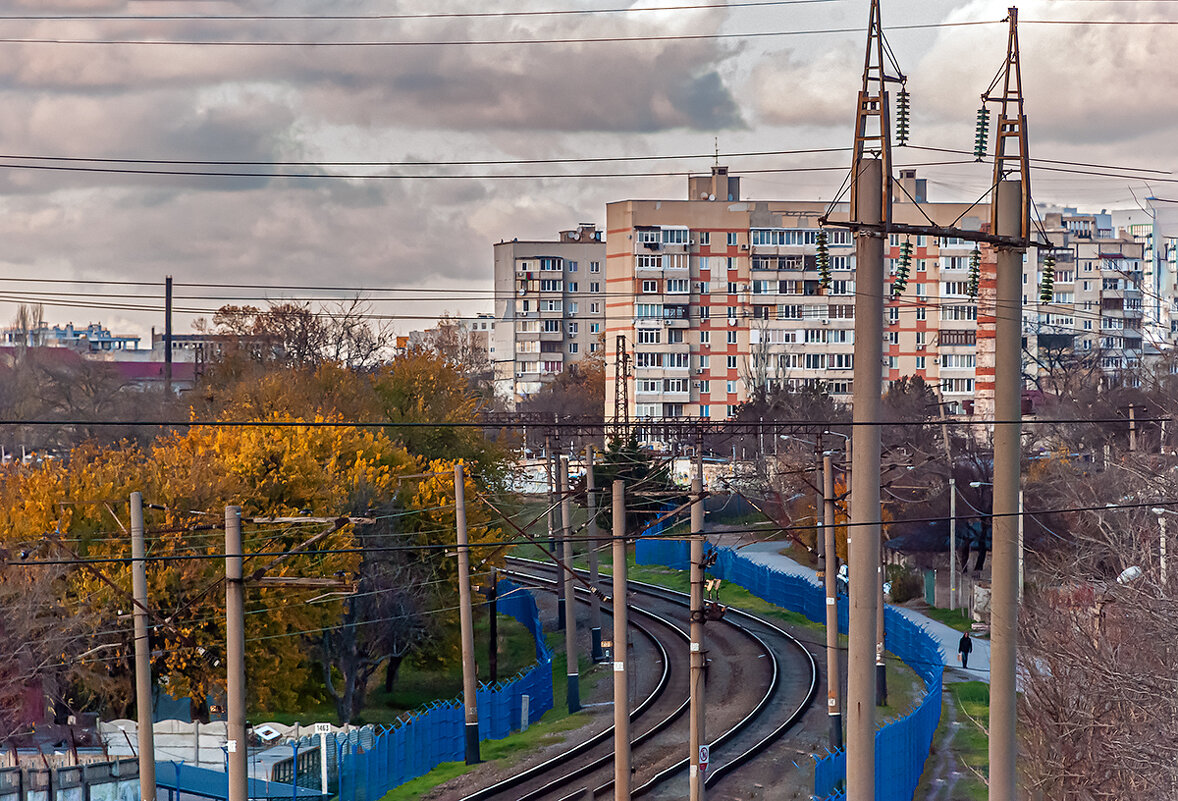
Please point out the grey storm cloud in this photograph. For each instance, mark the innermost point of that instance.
(629, 86)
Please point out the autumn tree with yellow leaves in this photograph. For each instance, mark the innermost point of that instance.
(77, 508)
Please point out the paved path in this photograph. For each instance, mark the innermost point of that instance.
(767, 553)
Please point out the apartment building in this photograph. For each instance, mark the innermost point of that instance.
(716, 296)
(550, 300)
(1100, 300)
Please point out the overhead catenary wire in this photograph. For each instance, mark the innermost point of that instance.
(516, 541)
(410, 43)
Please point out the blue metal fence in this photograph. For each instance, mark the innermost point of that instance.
(902, 746)
(375, 760)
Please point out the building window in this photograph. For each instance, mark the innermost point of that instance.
(893, 315)
(593, 347)
(731, 337)
(574, 327)
(919, 362)
(705, 337)
(649, 287)
(573, 347)
(921, 313)
(595, 308)
(730, 387)
(893, 362)
(704, 312)
(675, 336)
(731, 263)
(572, 286)
(572, 307)
(732, 410)
(571, 266)
(732, 239)
(649, 310)
(705, 237)
(731, 362)
(920, 338)
(594, 266)
(649, 336)
(732, 312)
(705, 387)
(704, 361)
(594, 286)
(705, 411)
(552, 326)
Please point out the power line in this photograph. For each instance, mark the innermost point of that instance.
(427, 163)
(638, 422)
(493, 42)
(516, 540)
(371, 17)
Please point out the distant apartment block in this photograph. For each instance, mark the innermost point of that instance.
(717, 296)
(1104, 309)
(550, 298)
(469, 338)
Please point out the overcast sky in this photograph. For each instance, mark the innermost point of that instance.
(1100, 94)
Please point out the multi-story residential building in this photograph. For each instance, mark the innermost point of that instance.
(469, 338)
(1101, 294)
(716, 296)
(550, 299)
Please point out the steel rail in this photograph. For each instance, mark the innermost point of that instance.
(536, 771)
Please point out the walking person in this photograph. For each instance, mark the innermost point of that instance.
(963, 650)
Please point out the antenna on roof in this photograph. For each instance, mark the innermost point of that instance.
(716, 162)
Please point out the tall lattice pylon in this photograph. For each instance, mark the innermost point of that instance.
(873, 133)
(1010, 146)
(622, 375)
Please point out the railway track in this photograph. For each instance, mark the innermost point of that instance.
(757, 671)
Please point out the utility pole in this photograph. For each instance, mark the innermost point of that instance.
(466, 622)
(871, 209)
(553, 544)
(594, 568)
(1010, 217)
(1162, 551)
(168, 335)
(493, 624)
(1007, 430)
(864, 530)
(881, 668)
(573, 670)
(819, 507)
(142, 653)
(1021, 552)
(622, 777)
(1132, 429)
(238, 755)
(952, 542)
(698, 652)
(833, 672)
